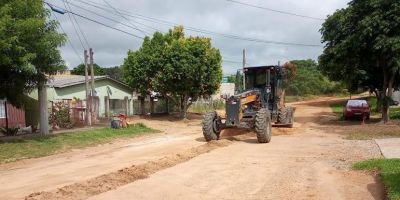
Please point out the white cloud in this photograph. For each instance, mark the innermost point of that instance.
(110, 46)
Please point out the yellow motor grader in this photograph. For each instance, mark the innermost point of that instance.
(255, 106)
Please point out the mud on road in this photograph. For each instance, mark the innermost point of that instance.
(310, 161)
(124, 176)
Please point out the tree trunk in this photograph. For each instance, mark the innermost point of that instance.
(387, 99)
(167, 104)
(6, 113)
(151, 105)
(142, 111)
(378, 101)
(44, 115)
(388, 79)
(385, 111)
(184, 106)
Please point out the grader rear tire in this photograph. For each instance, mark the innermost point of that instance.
(286, 116)
(283, 117)
(263, 126)
(210, 126)
(290, 117)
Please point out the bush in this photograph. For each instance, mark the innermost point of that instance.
(60, 115)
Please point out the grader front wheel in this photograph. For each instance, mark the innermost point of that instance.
(211, 128)
(263, 126)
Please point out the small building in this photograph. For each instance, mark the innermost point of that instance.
(11, 116)
(225, 89)
(111, 97)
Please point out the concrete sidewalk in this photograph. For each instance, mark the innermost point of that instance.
(390, 147)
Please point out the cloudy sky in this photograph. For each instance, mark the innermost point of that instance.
(143, 17)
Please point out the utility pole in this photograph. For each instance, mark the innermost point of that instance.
(43, 109)
(88, 117)
(244, 65)
(93, 88)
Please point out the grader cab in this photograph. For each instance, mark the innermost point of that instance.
(256, 105)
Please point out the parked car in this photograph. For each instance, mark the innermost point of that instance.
(356, 108)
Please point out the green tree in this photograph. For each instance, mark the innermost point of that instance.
(29, 52)
(114, 72)
(232, 78)
(29, 48)
(80, 70)
(308, 80)
(175, 65)
(363, 46)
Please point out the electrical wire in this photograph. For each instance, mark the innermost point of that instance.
(112, 12)
(66, 3)
(68, 40)
(142, 31)
(231, 61)
(108, 18)
(97, 22)
(75, 29)
(273, 10)
(198, 30)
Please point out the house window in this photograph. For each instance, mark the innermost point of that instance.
(2, 109)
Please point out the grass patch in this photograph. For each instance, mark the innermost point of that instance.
(47, 145)
(366, 135)
(337, 109)
(395, 113)
(291, 99)
(389, 171)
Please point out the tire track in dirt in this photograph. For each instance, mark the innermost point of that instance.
(107, 182)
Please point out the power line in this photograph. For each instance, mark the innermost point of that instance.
(108, 18)
(231, 61)
(204, 31)
(69, 41)
(103, 7)
(142, 31)
(97, 22)
(66, 3)
(68, 11)
(75, 29)
(273, 10)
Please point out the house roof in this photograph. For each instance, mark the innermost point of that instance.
(66, 81)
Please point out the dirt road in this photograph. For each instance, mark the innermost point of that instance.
(307, 162)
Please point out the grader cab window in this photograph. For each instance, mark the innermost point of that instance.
(249, 81)
(256, 79)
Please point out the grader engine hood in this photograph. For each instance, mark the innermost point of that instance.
(235, 106)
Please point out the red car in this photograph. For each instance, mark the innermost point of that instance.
(356, 108)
